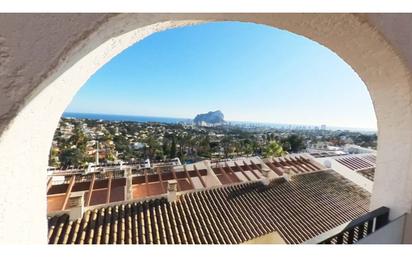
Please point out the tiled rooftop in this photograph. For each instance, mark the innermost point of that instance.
(363, 164)
(369, 174)
(357, 162)
(297, 164)
(109, 187)
(308, 205)
(105, 188)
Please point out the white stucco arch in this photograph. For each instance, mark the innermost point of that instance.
(47, 58)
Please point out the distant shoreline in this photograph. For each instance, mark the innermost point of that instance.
(171, 120)
(118, 117)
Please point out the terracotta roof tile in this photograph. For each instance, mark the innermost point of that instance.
(308, 205)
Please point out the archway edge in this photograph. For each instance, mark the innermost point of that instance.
(97, 40)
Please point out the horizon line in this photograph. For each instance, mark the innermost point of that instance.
(260, 122)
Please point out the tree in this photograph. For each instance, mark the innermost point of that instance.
(79, 139)
(173, 148)
(152, 147)
(227, 146)
(181, 139)
(273, 149)
(248, 148)
(74, 149)
(204, 147)
(294, 143)
(71, 156)
(166, 147)
(54, 157)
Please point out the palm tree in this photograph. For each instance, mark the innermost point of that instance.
(273, 149)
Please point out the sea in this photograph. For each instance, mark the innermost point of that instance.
(171, 120)
(116, 117)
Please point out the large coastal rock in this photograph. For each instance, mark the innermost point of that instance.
(209, 119)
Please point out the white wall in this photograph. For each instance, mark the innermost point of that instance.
(46, 59)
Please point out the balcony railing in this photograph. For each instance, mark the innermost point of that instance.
(355, 230)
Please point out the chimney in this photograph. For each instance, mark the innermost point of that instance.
(265, 173)
(327, 164)
(129, 183)
(288, 174)
(75, 205)
(171, 190)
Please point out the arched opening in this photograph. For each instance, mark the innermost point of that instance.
(173, 74)
(363, 50)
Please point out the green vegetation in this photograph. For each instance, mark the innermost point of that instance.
(273, 149)
(75, 141)
(294, 143)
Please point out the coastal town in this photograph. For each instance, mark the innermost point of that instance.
(79, 142)
(123, 182)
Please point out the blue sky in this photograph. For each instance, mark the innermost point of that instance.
(250, 72)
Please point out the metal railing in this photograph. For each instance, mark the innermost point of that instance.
(355, 230)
